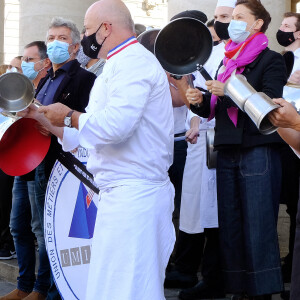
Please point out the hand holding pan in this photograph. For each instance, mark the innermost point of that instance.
(184, 46)
(22, 146)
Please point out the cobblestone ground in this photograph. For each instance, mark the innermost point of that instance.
(171, 294)
(6, 287)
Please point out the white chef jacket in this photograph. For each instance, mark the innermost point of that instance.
(128, 124)
(180, 114)
(199, 209)
(128, 129)
(290, 93)
(211, 66)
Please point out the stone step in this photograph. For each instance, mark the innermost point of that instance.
(9, 270)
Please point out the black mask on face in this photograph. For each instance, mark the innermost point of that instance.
(221, 30)
(285, 38)
(90, 46)
(216, 43)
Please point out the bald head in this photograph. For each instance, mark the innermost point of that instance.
(111, 11)
(110, 23)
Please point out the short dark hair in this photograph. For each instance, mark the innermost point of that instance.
(258, 11)
(210, 23)
(41, 47)
(296, 15)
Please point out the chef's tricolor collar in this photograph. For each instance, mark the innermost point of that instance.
(132, 40)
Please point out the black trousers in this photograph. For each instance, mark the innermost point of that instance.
(295, 285)
(290, 192)
(200, 248)
(176, 171)
(6, 185)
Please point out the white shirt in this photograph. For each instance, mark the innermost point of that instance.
(290, 93)
(128, 124)
(180, 114)
(211, 66)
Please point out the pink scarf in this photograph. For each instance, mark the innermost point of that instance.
(250, 49)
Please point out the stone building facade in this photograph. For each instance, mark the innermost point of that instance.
(25, 20)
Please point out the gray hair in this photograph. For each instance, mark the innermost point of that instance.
(61, 22)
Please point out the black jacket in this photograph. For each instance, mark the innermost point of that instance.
(267, 74)
(73, 91)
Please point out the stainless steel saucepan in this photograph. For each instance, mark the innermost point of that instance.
(16, 92)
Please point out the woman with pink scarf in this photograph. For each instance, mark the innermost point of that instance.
(248, 164)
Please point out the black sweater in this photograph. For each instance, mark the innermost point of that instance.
(267, 74)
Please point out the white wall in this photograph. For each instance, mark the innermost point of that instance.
(276, 8)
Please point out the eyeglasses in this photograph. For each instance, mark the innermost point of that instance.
(30, 59)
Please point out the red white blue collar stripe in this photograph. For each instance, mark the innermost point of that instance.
(122, 46)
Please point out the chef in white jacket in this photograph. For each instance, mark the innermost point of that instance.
(128, 129)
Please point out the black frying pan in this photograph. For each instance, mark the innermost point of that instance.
(183, 46)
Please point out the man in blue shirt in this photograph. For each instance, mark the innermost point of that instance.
(68, 83)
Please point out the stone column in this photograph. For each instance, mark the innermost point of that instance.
(149, 12)
(1, 32)
(276, 9)
(35, 16)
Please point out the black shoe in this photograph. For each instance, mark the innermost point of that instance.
(7, 254)
(285, 295)
(176, 279)
(201, 291)
(286, 270)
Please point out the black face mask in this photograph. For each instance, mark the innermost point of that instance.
(222, 30)
(285, 38)
(90, 45)
(216, 43)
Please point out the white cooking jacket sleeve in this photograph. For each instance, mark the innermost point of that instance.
(123, 111)
(70, 139)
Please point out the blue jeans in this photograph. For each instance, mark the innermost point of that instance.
(248, 187)
(25, 222)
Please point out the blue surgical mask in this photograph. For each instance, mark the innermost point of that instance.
(237, 31)
(58, 52)
(28, 69)
(12, 70)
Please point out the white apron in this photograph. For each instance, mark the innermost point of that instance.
(199, 208)
(129, 264)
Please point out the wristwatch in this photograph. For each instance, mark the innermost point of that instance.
(68, 119)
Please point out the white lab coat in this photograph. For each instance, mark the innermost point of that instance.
(128, 129)
(199, 208)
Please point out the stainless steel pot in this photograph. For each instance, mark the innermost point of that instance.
(255, 104)
(16, 92)
(257, 108)
(239, 90)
